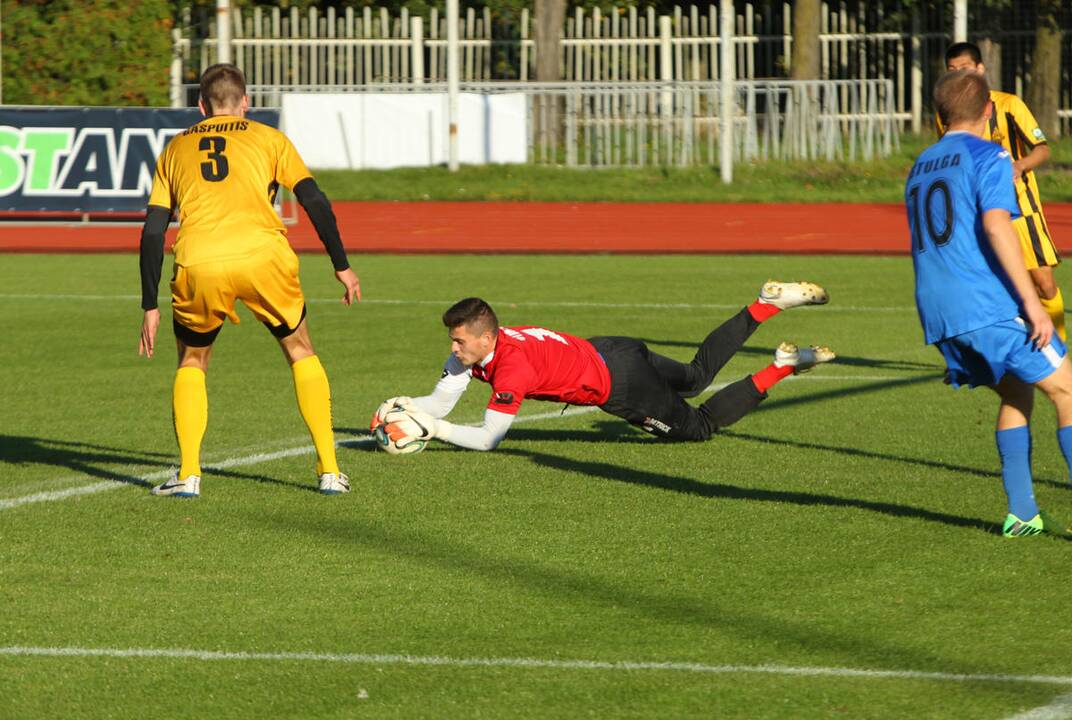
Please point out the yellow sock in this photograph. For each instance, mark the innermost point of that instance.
(1055, 308)
(190, 413)
(314, 402)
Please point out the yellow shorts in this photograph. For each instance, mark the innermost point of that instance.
(1035, 241)
(203, 295)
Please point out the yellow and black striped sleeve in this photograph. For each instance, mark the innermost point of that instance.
(1024, 124)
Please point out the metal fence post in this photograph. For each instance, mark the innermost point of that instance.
(417, 49)
(176, 69)
(917, 74)
(223, 31)
(727, 73)
(452, 85)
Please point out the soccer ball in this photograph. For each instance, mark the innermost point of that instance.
(398, 434)
(392, 438)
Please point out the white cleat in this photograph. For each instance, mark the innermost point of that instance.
(802, 359)
(785, 295)
(189, 487)
(334, 483)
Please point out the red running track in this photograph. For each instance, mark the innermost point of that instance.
(521, 227)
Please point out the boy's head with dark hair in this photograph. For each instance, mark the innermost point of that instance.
(223, 87)
(474, 314)
(963, 56)
(961, 97)
(473, 329)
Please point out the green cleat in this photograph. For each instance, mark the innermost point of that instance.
(1041, 523)
(1015, 527)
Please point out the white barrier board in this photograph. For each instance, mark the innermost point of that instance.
(386, 130)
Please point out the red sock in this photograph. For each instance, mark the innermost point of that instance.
(761, 311)
(770, 376)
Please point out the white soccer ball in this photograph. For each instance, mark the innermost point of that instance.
(393, 438)
(399, 433)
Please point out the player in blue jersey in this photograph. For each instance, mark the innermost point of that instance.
(975, 299)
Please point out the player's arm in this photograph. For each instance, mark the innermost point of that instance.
(440, 402)
(448, 390)
(1006, 244)
(499, 416)
(1026, 127)
(1038, 155)
(486, 437)
(290, 170)
(318, 208)
(151, 261)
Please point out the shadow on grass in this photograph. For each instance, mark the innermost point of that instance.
(613, 588)
(88, 459)
(724, 491)
(77, 457)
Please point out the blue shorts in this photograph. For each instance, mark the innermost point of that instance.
(983, 356)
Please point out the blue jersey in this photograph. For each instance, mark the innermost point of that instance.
(960, 285)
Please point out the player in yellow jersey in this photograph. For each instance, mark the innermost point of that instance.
(1012, 126)
(223, 174)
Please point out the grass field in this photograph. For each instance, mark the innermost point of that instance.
(879, 180)
(836, 554)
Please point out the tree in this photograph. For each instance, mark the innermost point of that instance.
(1044, 86)
(805, 62)
(549, 16)
(87, 52)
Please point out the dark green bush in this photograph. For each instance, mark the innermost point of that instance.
(86, 52)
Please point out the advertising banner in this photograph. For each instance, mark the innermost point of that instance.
(87, 160)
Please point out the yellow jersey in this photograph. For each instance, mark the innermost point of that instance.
(1014, 128)
(223, 174)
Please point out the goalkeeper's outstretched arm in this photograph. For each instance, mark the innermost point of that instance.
(486, 437)
(447, 391)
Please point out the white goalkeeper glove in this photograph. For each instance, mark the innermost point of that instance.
(387, 406)
(413, 421)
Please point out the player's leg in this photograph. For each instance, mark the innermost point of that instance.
(200, 301)
(1050, 297)
(273, 293)
(1040, 257)
(723, 342)
(640, 395)
(313, 393)
(1013, 439)
(736, 400)
(1058, 388)
(1021, 368)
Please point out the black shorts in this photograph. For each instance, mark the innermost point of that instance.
(643, 397)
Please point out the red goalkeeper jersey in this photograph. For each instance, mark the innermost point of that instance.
(532, 362)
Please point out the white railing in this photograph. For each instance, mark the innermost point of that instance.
(645, 123)
(625, 44)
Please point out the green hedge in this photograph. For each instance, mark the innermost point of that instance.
(86, 52)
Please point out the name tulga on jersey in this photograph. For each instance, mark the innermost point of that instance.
(946, 161)
(218, 127)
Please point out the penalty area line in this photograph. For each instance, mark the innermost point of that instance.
(355, 441)
(530, 663)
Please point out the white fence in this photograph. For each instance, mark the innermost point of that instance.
(359, 46)
(639, 124)
(623, 44)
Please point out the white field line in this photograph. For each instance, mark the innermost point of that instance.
(1059, 709)
(535, 663)
(262, 457)
(502, 303)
